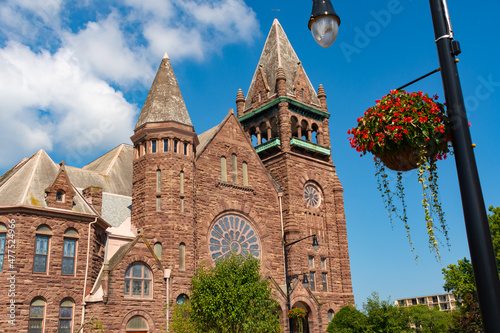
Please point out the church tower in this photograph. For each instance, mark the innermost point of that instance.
(288, 122)
(163, 174)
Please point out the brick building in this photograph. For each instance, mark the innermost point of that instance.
(114, 239)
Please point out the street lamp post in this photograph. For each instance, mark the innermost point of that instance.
(476, 220)
(288, 278)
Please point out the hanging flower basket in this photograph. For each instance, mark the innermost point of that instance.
(406, 131)
(300, 315)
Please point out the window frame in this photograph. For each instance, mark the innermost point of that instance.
(312, 282)
(65, 303)
(130, 279)
(154, 148)
(182, 256)
(324, 280)
(70, 235)
(37, 302)
(43, 231)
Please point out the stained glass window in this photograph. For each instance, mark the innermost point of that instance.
(138, 281)
(2, 250)
(65, 316)
(41, 254)
(37, 310)
(68, 264)
(312, 196)
(233, 234)
(137, 323)
(182, 298)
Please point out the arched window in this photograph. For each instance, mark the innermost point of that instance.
(158, 249)
(330, 315)
(182, 256)
(66, 316)
(137, 324)
(138, 281)
(69, 251)
(37, 314)
(234, 167)
(182, 298)
(3, 240)
(245, 173)
(223, 172)
(60, 196)
(43, 234)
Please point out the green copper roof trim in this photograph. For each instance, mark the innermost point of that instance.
(296, 107)
(273, 143)
(309, 146)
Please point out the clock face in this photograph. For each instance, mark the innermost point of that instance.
(233, 234)
(312, 196)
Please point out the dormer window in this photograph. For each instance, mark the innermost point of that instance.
(60, 196)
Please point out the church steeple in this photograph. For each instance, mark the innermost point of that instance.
(164, 102)
(277, 54)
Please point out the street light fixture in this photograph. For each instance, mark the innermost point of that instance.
(476, 220)
(305, 280)
(324, 22)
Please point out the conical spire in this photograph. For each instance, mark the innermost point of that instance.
(164, 101)
(278, 53)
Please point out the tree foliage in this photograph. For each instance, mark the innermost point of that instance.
(459, 279)
(430, 320)
(348, 320)
(233, 297)
(384, 316)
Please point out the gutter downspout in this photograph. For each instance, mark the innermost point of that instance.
(280, 195)
(166, 275)
(86, 273)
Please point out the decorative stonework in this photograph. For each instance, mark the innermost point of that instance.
(233, 234)
(312, 195)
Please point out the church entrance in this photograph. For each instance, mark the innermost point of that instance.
(294, 322)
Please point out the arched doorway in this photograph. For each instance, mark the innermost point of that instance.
(294, 322)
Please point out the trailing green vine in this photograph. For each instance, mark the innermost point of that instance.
(406, 131)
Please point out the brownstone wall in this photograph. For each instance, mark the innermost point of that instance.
(52, 286)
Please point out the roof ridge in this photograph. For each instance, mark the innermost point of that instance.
(113, 161)
(39, 156)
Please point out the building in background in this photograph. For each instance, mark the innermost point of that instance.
(121, 237)
(445, 302)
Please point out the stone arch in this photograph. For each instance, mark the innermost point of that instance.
(253, 136)
(149, 262)
(305, 129)
(263, 131)
(295, 127)
(312, 315)
(42, 293)
(141, 313)
(315, 134)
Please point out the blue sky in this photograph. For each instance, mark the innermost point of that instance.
(74, 76)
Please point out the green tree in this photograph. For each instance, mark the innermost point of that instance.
(430, 320)
(459, 279)
(233, 297)
(385, 317)
(181, 319)
(348, 320)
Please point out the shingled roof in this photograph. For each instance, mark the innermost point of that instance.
(278, 53)
(164, 101)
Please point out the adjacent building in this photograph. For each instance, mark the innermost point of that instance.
(445, 302)
(120, 238)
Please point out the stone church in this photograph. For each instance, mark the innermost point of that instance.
(120, 238)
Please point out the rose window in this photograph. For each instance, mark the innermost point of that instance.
(233, 234)
(312, 196)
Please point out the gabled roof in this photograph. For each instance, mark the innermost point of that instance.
(112, 172)
(206, 137)
(25, 184)
(278, 53)
(164, 101)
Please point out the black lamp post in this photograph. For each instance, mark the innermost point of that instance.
(476, 219)
(305, 281)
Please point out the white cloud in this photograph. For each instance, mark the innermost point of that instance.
(49, 102)
(102, 46)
